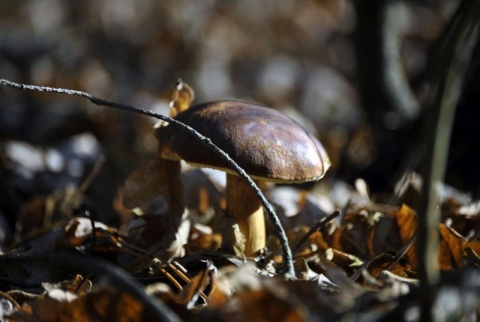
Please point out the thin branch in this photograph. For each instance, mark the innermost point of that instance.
(287, 253)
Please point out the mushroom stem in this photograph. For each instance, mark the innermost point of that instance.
(245, 209)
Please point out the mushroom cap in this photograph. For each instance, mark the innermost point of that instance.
(265, 143)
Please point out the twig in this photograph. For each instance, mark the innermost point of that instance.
(93, 174)
(287, 253)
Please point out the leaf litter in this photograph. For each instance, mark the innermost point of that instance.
(353, 255)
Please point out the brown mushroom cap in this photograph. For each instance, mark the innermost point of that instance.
(265, 143)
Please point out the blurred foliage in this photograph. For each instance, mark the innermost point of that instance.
(294, 56)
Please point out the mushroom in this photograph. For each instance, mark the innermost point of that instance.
(268, 145)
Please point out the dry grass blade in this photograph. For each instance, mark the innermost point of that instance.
(458, 44)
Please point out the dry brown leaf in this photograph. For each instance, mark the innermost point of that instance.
(263, 305)
(164, 226)
(145, 184)
(452, 244)
(407, 225)
(196, 287)
(82, 231)
(314, 242)
(107, 304)
(317, 239)
(345, 260)
(202, 237)
(77, 286)
(352, 236)
(217, 298)
(399, 269)
(183, 96)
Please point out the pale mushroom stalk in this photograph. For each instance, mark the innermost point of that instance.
(246, 210)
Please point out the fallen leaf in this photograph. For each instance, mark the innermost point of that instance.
(106, 304)
(202, 237)
(145, 184)
(352, 236)
(407, 224)
(452, 244)
(197, 286)
(183, 96)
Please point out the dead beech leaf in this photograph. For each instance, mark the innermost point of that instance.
(451, 248)
(317, 239)
(314, 242)
(404, 271)
(263, 305)
(165, 235)
(77, 286)
(345, 260)
(407, 226)
(106, 304)
(183, 97)
(202, 237)
(217, 298)
(352, 236)
(144, 184)
(197, 285)
(82, 231)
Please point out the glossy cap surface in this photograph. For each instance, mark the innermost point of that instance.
(265, 143)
